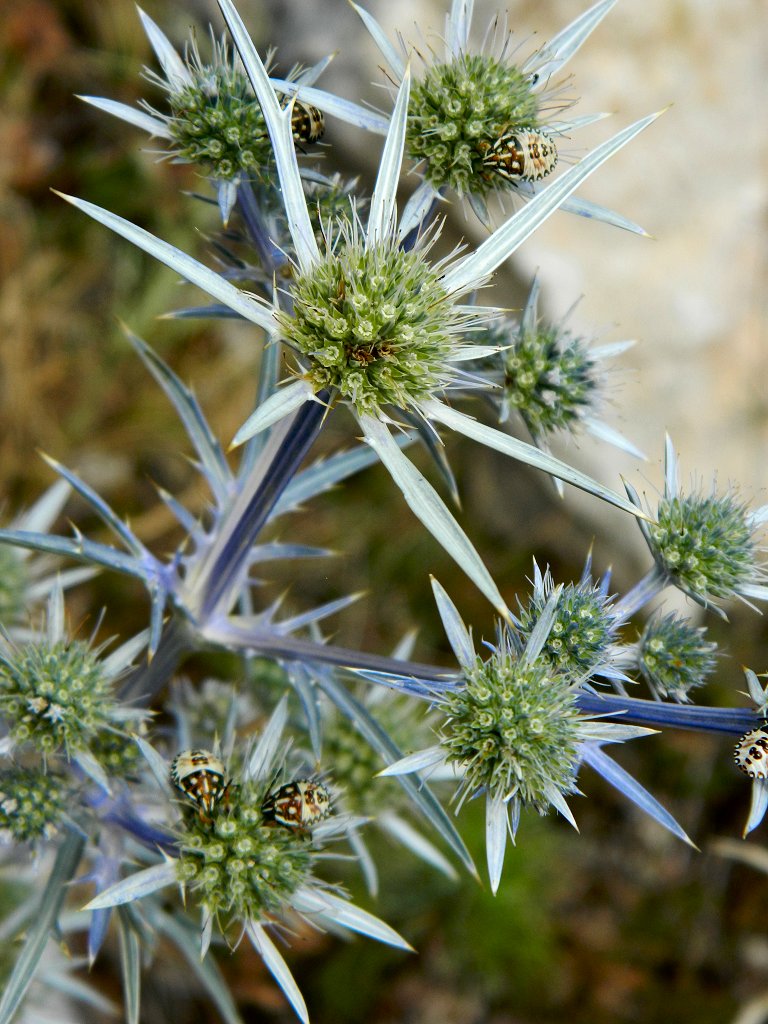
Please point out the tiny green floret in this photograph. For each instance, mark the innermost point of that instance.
(458, 110)
(513, 729)
(550, 379)
(674, 657)
(54, 695)
(582, 632)
(32, 802)
(704, 544)
(237, 867)
(373, 323)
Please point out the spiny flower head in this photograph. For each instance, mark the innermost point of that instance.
(32, 803)
(582, 636)
(704, 544)
(373, 322)
(54, 695)
(514, 728)
(238, 867)
(549, 378)
(215, 120)
(674, 657)
(514, 731)
(459, 109)
(58, 694)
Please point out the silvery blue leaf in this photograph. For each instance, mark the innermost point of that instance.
(455, 630)
(285, 401)
(277, 967)
(406, 834)
(388, 51)
(619, 778)
(135, 886)
(176, 72)
(323, 904)
(527, 453)
(474, 270)
(382, 213)
(496, 826)
(429, 507)
(757, 806)
(22, 974)
(250, 306)
(279, 127)
(154, 126)
(264, 753)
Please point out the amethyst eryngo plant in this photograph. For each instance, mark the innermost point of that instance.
(366, 315)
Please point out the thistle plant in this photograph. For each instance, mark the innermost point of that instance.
(201, 813)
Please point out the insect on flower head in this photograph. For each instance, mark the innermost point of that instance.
(200, 775)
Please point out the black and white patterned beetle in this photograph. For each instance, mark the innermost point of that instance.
(200, 775)
(299, 804)
(522, 155)
(307, 123)
(751, 753)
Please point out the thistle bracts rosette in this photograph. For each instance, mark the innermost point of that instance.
(58, 697)
(704, 544)
(214, 120)
(553, 379)
(481, 123)
(246, 874)
(674, 657)
(513, 730)
(583, 638)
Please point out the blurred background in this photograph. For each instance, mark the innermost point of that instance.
(620, 923)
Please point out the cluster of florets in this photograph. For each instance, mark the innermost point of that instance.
(374, 323)
(704, 544)
(32, 802)
(674, 656)
(54, 695)
(216, 121)
(549, 378)
(582, 632)
(461, 108)
(238, 867)
(513, 729)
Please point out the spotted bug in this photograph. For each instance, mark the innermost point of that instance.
(523, 155)
(751, 753)
(307, 123)
(201, 777)
(299, 804)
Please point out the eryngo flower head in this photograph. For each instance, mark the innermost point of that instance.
(57, 694)
(32, 804)
(487, 121)
(247, 872)
(582, 638)
(374, 323)
(674, 656)
(214, 120)
(705, 544)
(513, 729)
(553, 379)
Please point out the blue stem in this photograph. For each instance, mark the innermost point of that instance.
(643, 591)
(231, 562)
(735, 721)
(272, 257)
